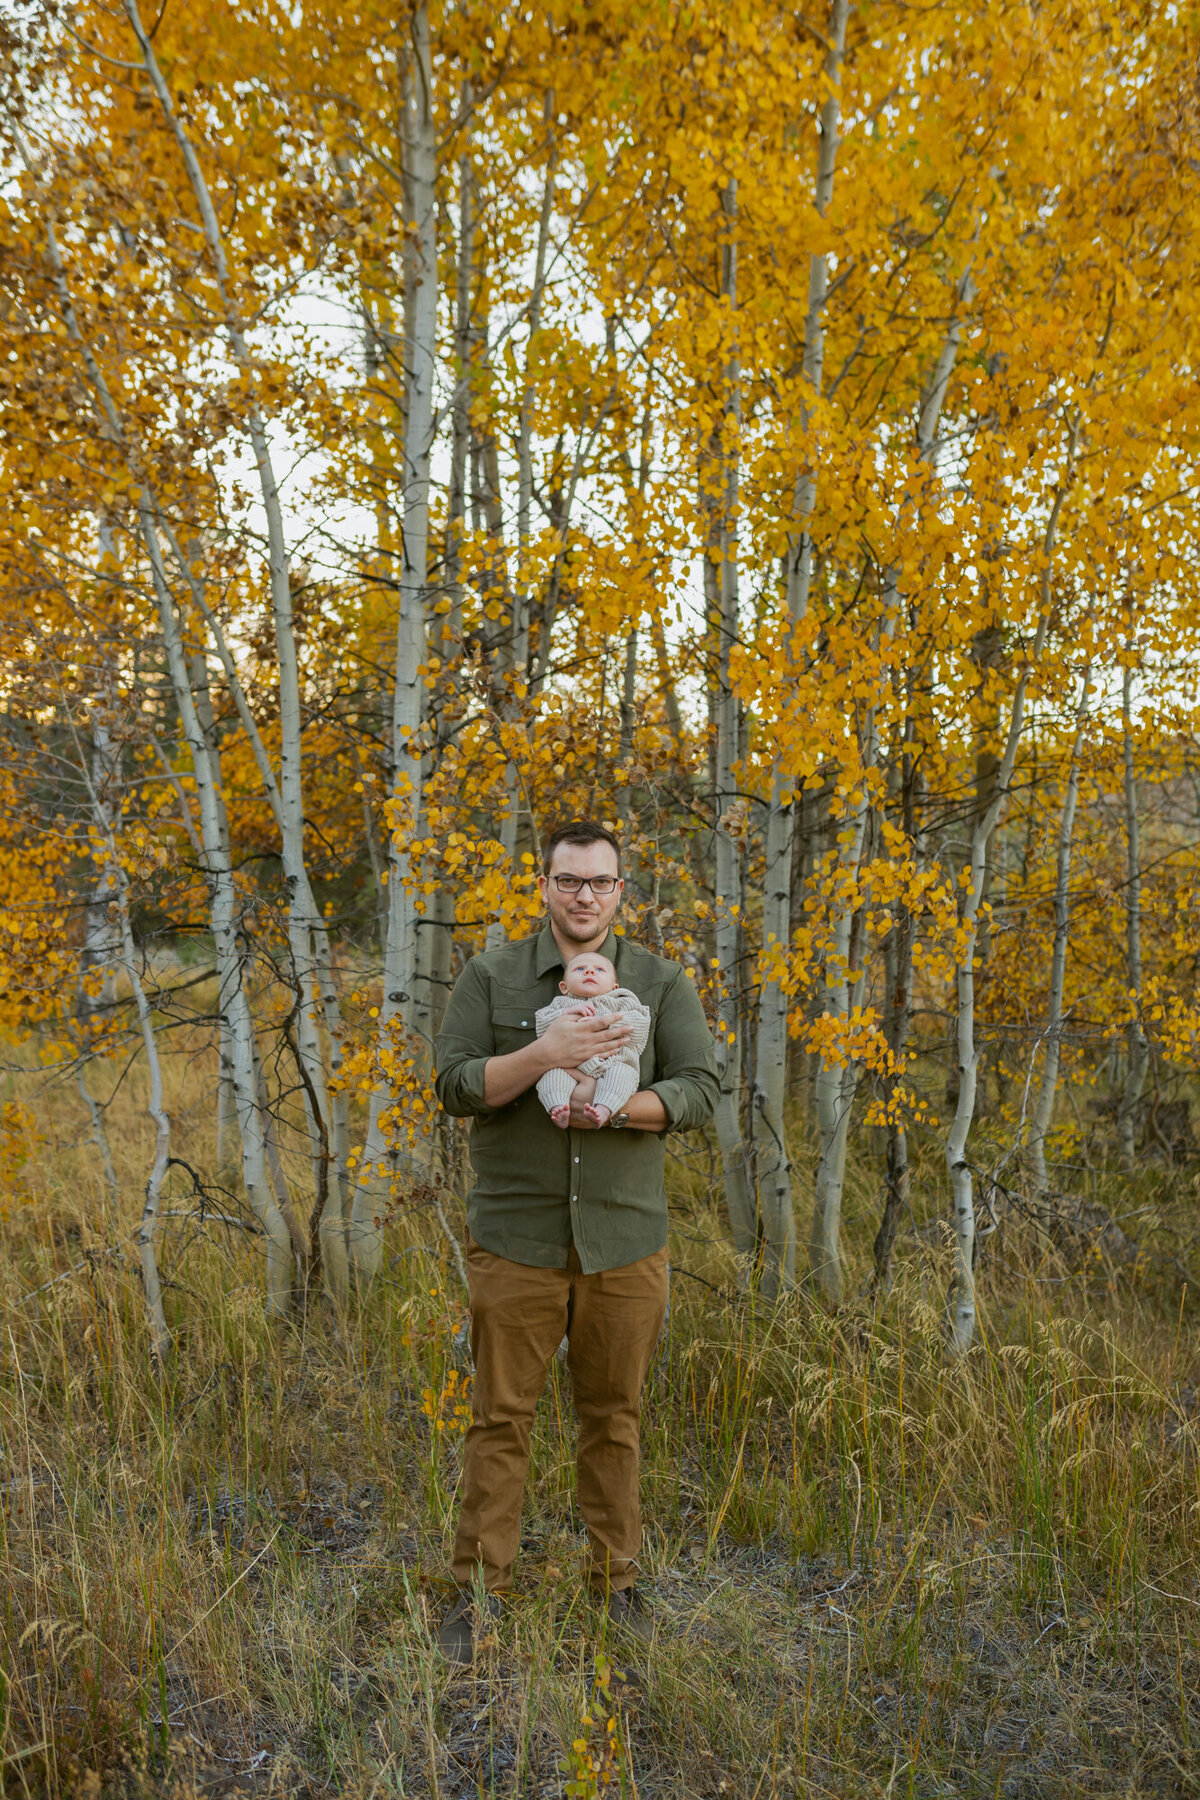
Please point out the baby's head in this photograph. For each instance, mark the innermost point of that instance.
(587, 975)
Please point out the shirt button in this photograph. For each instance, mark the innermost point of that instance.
(576, 1159)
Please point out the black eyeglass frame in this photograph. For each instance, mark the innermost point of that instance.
(575, 882)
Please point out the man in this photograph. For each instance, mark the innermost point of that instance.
(568, 1229)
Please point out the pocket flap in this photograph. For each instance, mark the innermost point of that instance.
(515, 1018)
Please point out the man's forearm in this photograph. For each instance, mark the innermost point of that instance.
(646, 1111)
(507, 1077)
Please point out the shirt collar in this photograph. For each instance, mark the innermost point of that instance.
(549, 956)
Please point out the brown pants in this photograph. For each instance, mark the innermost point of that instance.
(519, 1316)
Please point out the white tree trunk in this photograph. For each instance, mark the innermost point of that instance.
(464, 353)
(1139, 1048)
(837, 1082)
(738, 1195)
(305, 922)
(520, 619)
(513, 661)
(1044, 1107)
(329, 1117)
(625, 746)
(232, 1004)
(898, 964)
(962, 1291)
(435, 936)
(160, 1335)
(400, 953)
(898, 951)
(772, 1166)
(101, 784)
(226, 1102)
(102, 932)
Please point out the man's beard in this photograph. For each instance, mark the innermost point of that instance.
(581, 931)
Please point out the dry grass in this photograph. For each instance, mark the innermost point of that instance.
(868, 1575)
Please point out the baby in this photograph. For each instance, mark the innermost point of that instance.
(589, 986)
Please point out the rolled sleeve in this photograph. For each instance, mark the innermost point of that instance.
(685, 1056)
(464, 1047)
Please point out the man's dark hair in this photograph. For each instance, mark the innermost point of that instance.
(577, 831)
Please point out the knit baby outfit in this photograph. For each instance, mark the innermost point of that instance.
(617, 1073)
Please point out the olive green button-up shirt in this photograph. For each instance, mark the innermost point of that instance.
(537, 1187)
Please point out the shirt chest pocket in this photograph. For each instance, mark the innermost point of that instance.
(513, 1026)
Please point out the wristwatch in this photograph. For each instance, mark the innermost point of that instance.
(618, 1121)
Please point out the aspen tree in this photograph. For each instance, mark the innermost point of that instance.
(727, 814)
(1139, 1049)
(962, 1298)
(306, 927)
(898, 980)
(397, 1012)
(435, 931)
(233, 1005)
(101, 800)
(513, 663)
(232, 1001)
(772, 1167)
(102, 937)
(899, 943)
(962, 1292)
(1052, 1031)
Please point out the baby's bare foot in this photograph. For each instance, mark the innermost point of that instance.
(561, 1116)
(599, 1115)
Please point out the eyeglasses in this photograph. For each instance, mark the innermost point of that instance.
(601, 885)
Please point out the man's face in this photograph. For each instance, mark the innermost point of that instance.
(582, 918)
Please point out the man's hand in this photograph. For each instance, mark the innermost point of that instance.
(572, 1038)
(568, 1042)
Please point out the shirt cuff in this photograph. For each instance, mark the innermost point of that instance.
(468, 1083)
(674, 1097)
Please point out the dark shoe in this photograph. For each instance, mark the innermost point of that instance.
(457, 1631)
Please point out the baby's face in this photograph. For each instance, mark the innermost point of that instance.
(588, 975)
